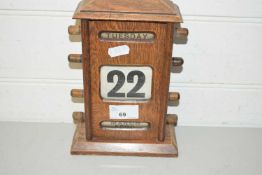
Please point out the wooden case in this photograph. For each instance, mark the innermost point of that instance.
(156, 17)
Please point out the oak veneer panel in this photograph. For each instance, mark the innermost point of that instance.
(153, 54)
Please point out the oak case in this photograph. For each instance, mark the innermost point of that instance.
(156, 18)
(151, 54)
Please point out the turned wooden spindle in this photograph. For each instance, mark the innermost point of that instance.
(77, 93)
(181, 32)
(78, 117)
(74, 30)
(177, 61)
(171, 119)
(75, 58)
(173, 96)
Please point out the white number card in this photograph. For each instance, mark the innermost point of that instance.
(126, 82)
(123, 111)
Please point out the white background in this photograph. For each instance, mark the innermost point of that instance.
(220, 85)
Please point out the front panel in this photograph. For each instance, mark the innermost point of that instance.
(129, 69)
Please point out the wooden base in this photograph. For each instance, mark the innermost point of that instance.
(167, 148)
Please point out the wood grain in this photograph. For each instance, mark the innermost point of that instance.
(74, 30)
(75, 58)
(173, 96)
(171, 119)
(181, 32)
(165, 80)
(149, 134)
(78, 117)
(167, 148)
(126, 10)
(159, 58)
(77, 93)
(87, 77)
(177, 61)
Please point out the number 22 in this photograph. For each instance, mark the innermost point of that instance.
(121, 80)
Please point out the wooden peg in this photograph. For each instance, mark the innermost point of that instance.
(77, 93)
(74, 30)
(78, 117)
(173, 96)
(177, 61)
(75, 58)
(171, 119)
(181, 32)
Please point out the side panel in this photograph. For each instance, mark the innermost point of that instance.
(86, 77)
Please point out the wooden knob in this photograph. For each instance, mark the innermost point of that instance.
(77, 93)
(177, 61)
(75, 58)
(74, 30)
(181, 32)
(171, 119)
(173, 96)
(78, 117)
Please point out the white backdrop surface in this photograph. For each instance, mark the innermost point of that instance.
(220, 84)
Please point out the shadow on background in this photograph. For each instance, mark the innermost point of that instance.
(77, 100)
(75, 65)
